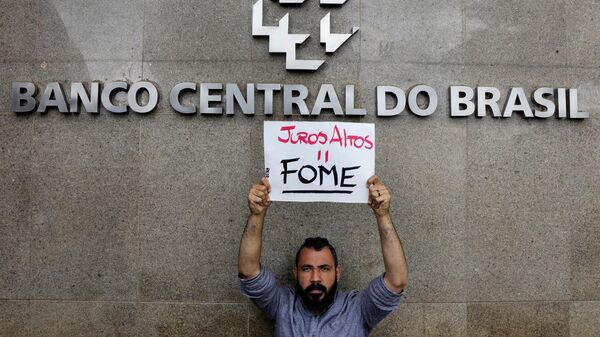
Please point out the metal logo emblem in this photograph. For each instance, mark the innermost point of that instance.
(281, 41)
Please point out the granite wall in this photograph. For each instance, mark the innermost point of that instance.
(128, 225)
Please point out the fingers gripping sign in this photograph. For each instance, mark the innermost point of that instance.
(258, 197)
(379, 196)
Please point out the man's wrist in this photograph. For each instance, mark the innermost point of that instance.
(383, 217)
(257, 217)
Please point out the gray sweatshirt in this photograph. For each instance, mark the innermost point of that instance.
(351, 314)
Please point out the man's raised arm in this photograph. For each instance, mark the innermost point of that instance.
(251, 242)
(396, 269)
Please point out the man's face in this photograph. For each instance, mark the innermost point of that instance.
(316, 277)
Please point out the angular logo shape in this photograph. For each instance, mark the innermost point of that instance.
(281, 41)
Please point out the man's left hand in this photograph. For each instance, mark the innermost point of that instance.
(379, 197)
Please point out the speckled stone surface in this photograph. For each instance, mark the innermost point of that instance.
(84, 209)
(585, 319)
(15, 201)
(426, 320)
(517, 256)
(187, 30)
(18, 32)
(16, 146)
(518, 319)
(189, 167)
(582, 29)
(425, 32)
(179, 319)
(15, 318)
(85, 319)
(445, 319)
(259, 325)
(90, 30)
(406, 321)
(585, 252)
(514, 32)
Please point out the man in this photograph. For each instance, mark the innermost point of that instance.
(314, 307)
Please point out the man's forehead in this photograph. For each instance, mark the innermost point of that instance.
(311, 256)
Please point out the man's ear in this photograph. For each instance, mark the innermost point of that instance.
(338, 272)
(295, 272)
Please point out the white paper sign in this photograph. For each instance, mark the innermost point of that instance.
(319, 161)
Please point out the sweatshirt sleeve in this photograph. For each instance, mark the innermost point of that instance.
(377, 301)
(262, 291)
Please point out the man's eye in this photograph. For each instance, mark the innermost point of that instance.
(305, 269)
(325, 268)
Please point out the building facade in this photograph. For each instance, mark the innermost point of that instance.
(128, 224)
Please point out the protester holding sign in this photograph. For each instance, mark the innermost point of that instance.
(314, 307)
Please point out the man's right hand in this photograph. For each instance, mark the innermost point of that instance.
(258, 197)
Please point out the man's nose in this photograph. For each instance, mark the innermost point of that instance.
(315, 276)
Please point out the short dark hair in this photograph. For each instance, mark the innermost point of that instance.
(317, 244)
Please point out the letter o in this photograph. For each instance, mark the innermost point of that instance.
(152, 97)
(313, 138)
(362, 142)
(304, 180)
(412, 100)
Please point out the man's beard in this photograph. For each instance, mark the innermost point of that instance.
(312, 302)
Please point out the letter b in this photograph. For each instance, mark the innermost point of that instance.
(461, 95)
(18, 96)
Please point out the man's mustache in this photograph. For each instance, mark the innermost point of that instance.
(316, 286)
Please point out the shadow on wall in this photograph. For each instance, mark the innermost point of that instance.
(59, 38)
(68, 41)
